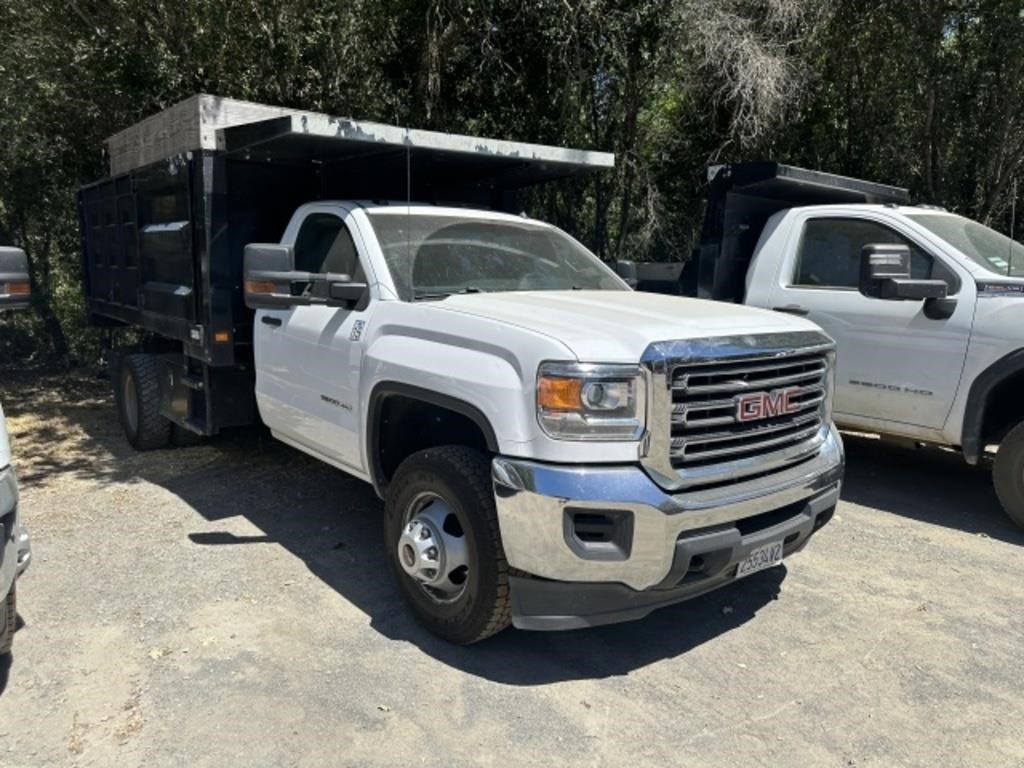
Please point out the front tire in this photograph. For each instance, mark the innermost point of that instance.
(1008, 474)
(444, 545)
(137, 393)
(8, 619)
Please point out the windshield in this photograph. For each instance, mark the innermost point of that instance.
(993, 251)
(431, 256)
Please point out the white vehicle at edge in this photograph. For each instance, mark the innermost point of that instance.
(554, 449)
(947, 370)
(15, 549)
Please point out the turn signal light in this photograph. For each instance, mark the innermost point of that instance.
(259, 286)
(555, 393)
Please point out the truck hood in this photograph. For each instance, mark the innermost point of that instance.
(617, 326)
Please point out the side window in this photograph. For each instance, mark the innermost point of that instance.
(829, 253)
(324, 244)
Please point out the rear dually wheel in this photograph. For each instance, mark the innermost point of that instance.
(137, 393)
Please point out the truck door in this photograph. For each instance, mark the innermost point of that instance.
(893, 362)
(308, 360)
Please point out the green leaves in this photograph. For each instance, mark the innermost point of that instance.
(925, 93)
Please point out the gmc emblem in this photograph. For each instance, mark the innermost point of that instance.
(764, 405)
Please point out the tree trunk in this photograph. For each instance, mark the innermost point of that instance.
(51, 325)
(39, 282)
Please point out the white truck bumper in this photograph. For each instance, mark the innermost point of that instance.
(614, 533)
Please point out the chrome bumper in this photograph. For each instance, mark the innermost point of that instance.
(535, 503)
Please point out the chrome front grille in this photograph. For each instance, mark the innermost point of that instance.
(731, 409)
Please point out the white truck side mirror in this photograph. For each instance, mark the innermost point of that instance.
(885, 274)
(269, 274)
(270, 278)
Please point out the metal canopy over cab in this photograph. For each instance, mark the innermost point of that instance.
(344, 146)
(163, 236)
(741, 199)
(392, 159)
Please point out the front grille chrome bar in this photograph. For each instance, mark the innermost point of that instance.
(728, 408)
(682, 448)
(681, 412)
(682, 384)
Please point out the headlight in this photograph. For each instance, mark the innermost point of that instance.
(580, 401)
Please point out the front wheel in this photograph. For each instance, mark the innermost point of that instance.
(1008, 474)
(444, 544)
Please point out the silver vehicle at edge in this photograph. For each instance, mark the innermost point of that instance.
(15, 551)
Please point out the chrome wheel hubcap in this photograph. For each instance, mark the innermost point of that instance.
(432, 548)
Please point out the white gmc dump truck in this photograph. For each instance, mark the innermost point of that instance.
(553, 449)
(15, 549)
(926, 307)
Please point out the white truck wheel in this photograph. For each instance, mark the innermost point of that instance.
(1008, 474)
(444, 545)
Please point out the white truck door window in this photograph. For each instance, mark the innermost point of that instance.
(323, 354)
(894, 363)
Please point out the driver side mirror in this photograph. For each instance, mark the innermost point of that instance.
(269, 274)
(271, 282)
(885, 274)
(15, 289)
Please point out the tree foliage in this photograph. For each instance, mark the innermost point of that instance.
(923, 93)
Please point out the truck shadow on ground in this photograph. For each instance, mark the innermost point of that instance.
(333, 524)
(932, 485)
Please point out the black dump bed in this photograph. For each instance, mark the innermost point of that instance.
(163, 237)
(741, 198)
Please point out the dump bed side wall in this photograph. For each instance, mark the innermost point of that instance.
(741, 199)
(732, 227)
(162, 247)
(137, 243)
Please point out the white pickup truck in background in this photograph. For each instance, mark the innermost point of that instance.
(553, 449)
(933, 352)
(15, 549)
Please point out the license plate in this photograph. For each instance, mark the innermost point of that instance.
(763, 557)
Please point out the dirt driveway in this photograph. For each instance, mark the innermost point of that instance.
(229, 605)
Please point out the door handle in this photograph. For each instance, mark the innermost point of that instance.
(793, 309)
(270, 320)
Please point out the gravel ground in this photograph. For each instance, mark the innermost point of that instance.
(229, 605)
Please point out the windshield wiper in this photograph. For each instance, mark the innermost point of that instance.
(437, 295)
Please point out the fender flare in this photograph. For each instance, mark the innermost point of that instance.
(977, 400)
(385, 389)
